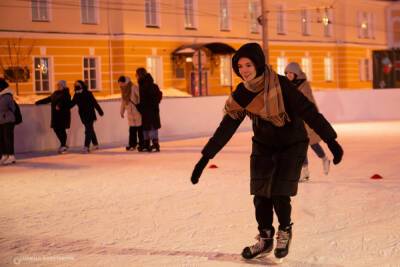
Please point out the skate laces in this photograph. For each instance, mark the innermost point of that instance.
(258, 247)
(282, 239)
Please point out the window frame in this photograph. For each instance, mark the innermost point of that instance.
(48, 10)
(189, 11)
(97, 71)
(50, 75)
(87, 7)
(152, 14)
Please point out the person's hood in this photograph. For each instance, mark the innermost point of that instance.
(295, 68)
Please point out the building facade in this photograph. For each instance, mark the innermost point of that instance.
(187, 44)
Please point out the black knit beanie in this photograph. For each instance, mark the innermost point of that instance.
(254, 52)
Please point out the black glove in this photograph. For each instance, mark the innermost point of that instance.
(336, 150)
(101, 113)
(198, 169)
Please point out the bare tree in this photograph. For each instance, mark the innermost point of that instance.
(14, 61)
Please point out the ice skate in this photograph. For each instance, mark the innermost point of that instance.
(283, 240)
(130, 148)
(262, 247)
(305, 174)
(326, 165)
(85, 150)
(9, 160)
(62, 150)
(95, 147)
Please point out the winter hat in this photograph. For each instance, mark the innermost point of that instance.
(254, 52)
(295, 68)
(3, 84)
(63, 83)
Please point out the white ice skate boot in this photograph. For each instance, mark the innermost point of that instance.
(62, 150)
(326, 164)
(9, 160)
(283, 240)
(3, 158)
(305, 174)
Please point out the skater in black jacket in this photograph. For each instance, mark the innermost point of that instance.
(60, 112)
(87, 104)
(279, 144)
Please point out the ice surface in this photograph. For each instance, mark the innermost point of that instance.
(118, 208)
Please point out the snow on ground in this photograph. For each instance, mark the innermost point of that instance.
(117, 208)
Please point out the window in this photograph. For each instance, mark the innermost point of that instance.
(42, 74)
(305, 22)
(40, 10)
(225, 71)
(154, 67)
(280, 20)
(327, 22)
(151, 10)
(189, 14)
(365, 69)
(281, 65)
(91, 73)
(306, 66)
(328, 66)
(224, 15)
(365, 25)
(254, 13)
(89, 11)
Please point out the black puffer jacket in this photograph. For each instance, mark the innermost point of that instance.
(150, 98)
(277, 152)
(61, 117)
(86, 104)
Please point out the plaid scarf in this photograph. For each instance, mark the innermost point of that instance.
(267, 105)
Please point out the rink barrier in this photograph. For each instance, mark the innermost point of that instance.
(194, 117)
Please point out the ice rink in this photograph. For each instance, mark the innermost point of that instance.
(118, 208)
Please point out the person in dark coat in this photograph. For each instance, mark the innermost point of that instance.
(87, 104)
(150, 98)
(60, 113)
(279, 144)
(7, 124)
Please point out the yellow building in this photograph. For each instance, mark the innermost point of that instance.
(99, 40)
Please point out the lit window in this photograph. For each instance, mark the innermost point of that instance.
(328, 67)
(306, 66)
(154, 67)
(42, 74)
(189, 7)
(281, 65)
(225, 71)
(327, 22)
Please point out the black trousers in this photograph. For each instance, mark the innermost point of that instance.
(135, 133)
(90, 135)
(61, 135)
(7, 139)
(264, 211)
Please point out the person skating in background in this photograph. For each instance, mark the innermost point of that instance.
(87, 104)
(295, 74)
(150, 98)
(7, 120)
(60, 112)
(129, 101)
(279, 144)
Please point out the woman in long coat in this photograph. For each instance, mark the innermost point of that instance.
(150, 98)
(60, 113)
(299, 79)
(280, 143)
(129, 102)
